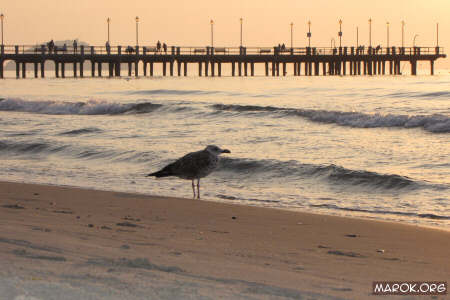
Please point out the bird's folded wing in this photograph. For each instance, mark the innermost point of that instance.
(191, 164)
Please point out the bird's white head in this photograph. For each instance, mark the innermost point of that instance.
(213, 149)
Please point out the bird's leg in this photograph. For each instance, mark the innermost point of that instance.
(193, 187)
(198, 188)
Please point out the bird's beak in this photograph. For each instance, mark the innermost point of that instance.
(226, 151)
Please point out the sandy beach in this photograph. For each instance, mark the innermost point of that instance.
(70, 243)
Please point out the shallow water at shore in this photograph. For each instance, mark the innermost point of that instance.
(376, 147)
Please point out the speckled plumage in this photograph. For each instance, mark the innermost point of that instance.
(194, 165)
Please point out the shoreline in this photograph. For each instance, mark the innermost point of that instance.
(114, 245)
(373, 216)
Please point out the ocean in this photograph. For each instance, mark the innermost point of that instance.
(373, 147)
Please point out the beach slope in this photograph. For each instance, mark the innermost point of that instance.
(70, 243)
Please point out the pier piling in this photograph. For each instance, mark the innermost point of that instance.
(99, 65)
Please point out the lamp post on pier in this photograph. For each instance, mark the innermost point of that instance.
(212, 33)
(333, 43)
(370, 32)
(357, 37)
(437, 34)
(309, 34)
(387, 28)
(137, 31)
(242, 20)
(108, 21)
(2, 16)
(403, 34)
(340, 33)
(292, 35)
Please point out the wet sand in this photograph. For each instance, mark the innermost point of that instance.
(70, 243)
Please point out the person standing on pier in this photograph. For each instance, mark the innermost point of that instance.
(158, 46)
(50, 46)
(75, 45)
(165, 48)
(108, 47)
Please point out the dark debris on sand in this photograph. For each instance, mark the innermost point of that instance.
(137, 263)
(130, 218)
(13, 206)
(342, 253)
(26, 254)
(128, 224)
(352, 235)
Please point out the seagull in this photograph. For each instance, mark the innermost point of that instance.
(194, 165)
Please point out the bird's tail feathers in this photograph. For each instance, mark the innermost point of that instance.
(162, 173)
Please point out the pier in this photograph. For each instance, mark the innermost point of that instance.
(306, 61)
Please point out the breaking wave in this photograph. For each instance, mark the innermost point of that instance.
(433, 123)
(331, 173)
(92, 107)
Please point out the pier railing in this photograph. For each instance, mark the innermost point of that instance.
(191, 50)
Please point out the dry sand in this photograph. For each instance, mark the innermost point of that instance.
(69, 243)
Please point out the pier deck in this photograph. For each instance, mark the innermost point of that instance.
(304, 61)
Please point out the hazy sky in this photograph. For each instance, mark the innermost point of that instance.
(187, 23)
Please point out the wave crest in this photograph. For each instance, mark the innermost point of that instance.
(91, 107)
(171, 92)
(331, 173)
(19, 148)
(432, 95)
(45, 148)
(81, 131)
(435, 123)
